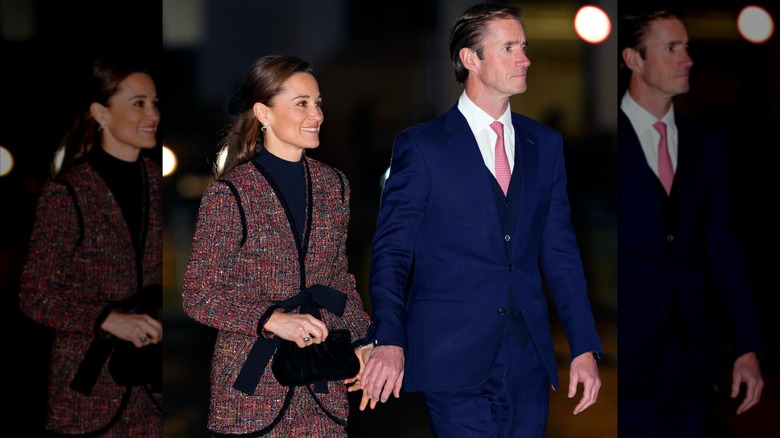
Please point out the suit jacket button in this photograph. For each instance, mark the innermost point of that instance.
(500, 311)
(507, 237)
(509, 267)
(670, 237)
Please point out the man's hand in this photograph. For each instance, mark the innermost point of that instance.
(583, 369)
(748, 371)
(383, 375)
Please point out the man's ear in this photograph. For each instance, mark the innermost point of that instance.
(99, 113)
(469, 58)
(631, 57)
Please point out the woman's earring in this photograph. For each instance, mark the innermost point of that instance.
(100, 128)
(263, 128)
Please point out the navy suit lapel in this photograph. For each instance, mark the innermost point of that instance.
(688, 172)
(636, 178)
(640, 215)
(635, 175)
(526, 169)
(464, 147)
(524, 179)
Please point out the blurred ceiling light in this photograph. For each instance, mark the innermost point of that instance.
(592, 24)
(169, 161)
(56, 162)
(755, 24)
(221, 157)
(6, 161)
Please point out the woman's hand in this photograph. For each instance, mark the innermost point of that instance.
(141, 330)
(303, 329)
(362, 353)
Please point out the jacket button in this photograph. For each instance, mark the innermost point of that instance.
(670, 237)
(500, 311)
(507, 237)
(509, 267)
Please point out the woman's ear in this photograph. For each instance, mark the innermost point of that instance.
(261, 112)
(99, 113)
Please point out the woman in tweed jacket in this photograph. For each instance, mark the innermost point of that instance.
(97, 241)
(273, 223)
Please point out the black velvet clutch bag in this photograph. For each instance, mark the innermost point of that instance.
(334, 359)
(132, 366)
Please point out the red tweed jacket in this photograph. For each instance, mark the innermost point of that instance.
(66, 286)
(228, 284)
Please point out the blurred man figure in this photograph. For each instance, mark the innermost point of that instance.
(681, 274)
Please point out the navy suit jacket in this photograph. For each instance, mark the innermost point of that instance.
(441, 269)
(683, 263)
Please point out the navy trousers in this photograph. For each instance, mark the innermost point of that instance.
(513, 402)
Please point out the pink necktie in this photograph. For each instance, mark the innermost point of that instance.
(503, 174)
(665, 170)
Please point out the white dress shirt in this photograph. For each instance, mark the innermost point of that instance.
(479, 121)
(643, 121)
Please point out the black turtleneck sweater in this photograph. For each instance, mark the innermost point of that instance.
(290, 177)
(125, 180)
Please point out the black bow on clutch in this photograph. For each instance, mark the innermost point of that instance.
(310, 300)
(128, 365)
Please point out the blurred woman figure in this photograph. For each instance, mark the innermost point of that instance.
(271, 228)
(94, 267)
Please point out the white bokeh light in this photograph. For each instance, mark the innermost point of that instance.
(169, 161)
(755, 24)
(221, 158)
(6, 161)
(592, 24)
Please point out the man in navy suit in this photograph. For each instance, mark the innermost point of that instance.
(681, 275)
(459, 266)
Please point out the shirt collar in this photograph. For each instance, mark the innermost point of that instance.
(479, 120)
(640, 118)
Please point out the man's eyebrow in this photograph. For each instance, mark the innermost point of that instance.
(516, 43)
